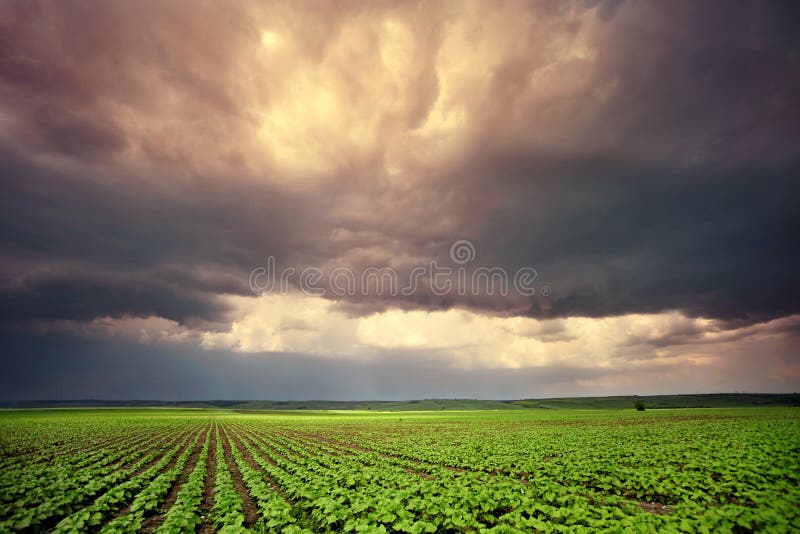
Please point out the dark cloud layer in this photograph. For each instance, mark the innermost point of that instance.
(614, 238)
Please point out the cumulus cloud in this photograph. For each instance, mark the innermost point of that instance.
(297, 347)
(455, 338)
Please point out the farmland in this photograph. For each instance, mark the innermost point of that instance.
(181, 470)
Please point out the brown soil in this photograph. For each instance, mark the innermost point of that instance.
(248, 507)
(105, 444)
(655, 507)
(275, 451)
(348, 448)
(152, 522)
(206, 527)
(167, 445)
(51, 522)
(168, 442)
(126, 510)
(420, 474)
(238, 439)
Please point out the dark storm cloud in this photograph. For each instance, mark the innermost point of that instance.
(78, 249)
(686, 200)
(787, 328)
(83, 296)
(73, 135)
(641, 156)
(612, 238)
(711, 84)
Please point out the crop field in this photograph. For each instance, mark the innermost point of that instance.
(164, 470)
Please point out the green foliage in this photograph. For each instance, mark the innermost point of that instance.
(639, 405)
(183, 516)
(227, 512)
(510, 471)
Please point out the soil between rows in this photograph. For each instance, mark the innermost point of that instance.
(206, 527)
(251, 461)
(248, 507)
(187, 437)
(152, 522)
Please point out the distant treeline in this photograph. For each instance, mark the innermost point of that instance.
(714, 400)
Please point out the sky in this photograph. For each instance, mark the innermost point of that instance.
(397, 200)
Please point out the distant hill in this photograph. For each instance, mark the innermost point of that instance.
(714, 400)
(389, 406)
(407, 405)
(711, 400)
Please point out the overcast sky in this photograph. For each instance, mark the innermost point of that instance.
(638, 160)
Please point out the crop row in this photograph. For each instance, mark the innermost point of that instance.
(115, 498)
(570, 486)
(184, 514)
(298, 474)
(68, 490)
(150, 497)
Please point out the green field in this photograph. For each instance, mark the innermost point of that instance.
(517, 470)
